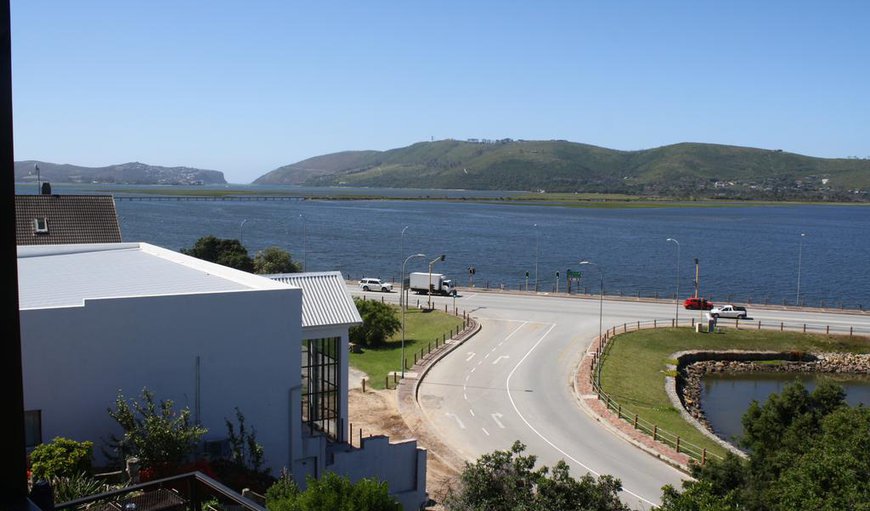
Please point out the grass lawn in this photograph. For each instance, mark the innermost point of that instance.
(421, 328)
(633, 373)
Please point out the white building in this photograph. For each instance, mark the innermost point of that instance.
(100, 319)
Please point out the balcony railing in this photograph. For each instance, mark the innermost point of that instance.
(193, 491)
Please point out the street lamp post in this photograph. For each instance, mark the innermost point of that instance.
(402, 254)
(304, 241)
(800, 256)
(242, 232)
(537, 243)
(677, 297)
(439, 258)
(403, 306)
(600, 297)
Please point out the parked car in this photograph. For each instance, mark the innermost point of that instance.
(697, 304)
(729, 311)
(368, 284)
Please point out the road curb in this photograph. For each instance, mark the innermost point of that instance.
(588, 401)
(410, 409)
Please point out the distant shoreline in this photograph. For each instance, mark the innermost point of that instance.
(578, 200)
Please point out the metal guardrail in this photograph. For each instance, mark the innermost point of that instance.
(696, 452)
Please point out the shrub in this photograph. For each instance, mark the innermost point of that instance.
(379, 322)
(61, 457)
(155, 433)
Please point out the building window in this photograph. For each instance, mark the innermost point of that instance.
(40, 225)
(320, 384)
(32, 428)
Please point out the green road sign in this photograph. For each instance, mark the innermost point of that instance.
(574, 274)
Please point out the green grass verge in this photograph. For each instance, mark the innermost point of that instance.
(634, 370)
(421, 329)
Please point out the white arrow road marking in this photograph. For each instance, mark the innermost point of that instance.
(507, 385)
(470, 356)
(461, 425)
(485, 431)
(496, 417)
(499, 358)
(486, 356)
(472, 412)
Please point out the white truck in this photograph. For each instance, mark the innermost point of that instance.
(419, 282)
(729, 311)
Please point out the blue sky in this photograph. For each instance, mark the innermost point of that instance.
(245, 87)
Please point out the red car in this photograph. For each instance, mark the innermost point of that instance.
(697, 304)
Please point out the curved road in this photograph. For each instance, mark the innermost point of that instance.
(513, 381)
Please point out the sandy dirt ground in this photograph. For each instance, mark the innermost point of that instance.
(377, 413)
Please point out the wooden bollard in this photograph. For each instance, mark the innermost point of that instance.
(387, 382)
(635, 421)
(759, 325)
(395, 377)
(364, 389)
(805, 328)
(655, 432)
(781, 326)
(828, 330)
(655, 324)
(704, 456)
(678, 444)
(415, 358)
(619, 410)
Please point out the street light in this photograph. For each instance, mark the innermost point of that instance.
(439, 258)
(403, 306)
(304, 242)
(800, 256)
(600, 297)
(242, 232)
(402, 254)
(537, 243)
(677, 297)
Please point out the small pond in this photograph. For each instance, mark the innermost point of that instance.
(726, 397)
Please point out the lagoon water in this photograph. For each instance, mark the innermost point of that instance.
(725, 398)
(745, 253)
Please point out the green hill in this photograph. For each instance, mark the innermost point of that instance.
(679, 170)
(124, 173)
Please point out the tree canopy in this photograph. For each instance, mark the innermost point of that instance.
(507, 481)
(275, 260)
(330, 493)
(807, 451)
(379, 322)
(221, 251)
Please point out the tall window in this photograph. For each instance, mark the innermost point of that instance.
(320, 384)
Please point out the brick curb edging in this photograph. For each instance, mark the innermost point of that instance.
(409, 407)
(588, 400)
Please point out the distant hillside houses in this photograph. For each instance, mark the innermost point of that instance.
(489, 141)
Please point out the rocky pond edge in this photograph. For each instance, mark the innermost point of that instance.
(684, 387)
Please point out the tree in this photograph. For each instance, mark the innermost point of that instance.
(154, 433)
(508, 480)
(275, 260)
(221, 251)
(331, 493)
(379, 322)
(807, 451)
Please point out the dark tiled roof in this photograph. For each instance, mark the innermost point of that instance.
(69, 219)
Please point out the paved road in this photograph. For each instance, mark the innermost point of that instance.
(513, 381)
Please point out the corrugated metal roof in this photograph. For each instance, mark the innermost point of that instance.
(325, 300)
(66, 219)
(66, 275)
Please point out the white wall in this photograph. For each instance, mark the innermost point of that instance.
(76, 359)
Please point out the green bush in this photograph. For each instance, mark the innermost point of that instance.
(331, 493)
(61, 457)
(379, 322)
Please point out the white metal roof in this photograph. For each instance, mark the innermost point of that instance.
(66, 275)
(325, 300)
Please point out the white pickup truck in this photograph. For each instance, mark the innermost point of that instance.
(729, 311)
